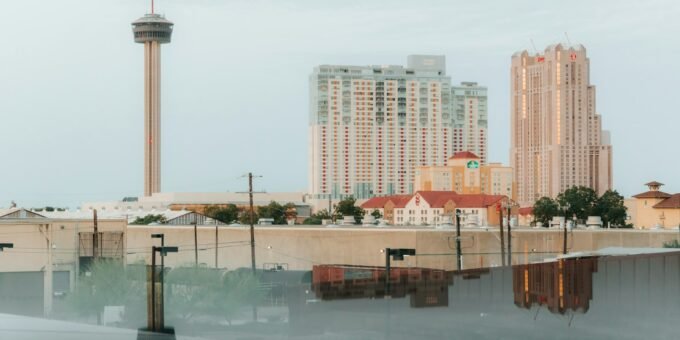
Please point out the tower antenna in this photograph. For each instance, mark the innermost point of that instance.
(567, 36)
(532, 45)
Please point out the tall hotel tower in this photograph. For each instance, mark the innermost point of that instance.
(556, 134)
(371, 126)
(152, 30)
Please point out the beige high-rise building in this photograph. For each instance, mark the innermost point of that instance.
(556, 133)
(152, 30)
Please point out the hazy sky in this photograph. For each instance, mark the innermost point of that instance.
(235, 84)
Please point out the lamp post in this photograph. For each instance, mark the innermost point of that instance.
(459, 253)
(162, 237)
(396, 255)
(509, 204)
(565, 209)
(156, 319)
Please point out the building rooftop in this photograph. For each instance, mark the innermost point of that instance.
(152, 19)
(653, 194)
(436, 199)
(672, 202)
(463, 154)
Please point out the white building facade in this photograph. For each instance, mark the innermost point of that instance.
(371, 126)
(470, 112)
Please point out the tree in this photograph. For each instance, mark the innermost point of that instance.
(109, 283)
(148, 219)
(198, 291)
(347, 207)
(226, 214)
(376, 213)
(244, 216)
(581, 201)
(610, 207)
(317, 218)
(671, 244)
(545, 209)
(280, 213)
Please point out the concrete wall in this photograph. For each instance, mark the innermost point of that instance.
(301, 247)
(30, 239)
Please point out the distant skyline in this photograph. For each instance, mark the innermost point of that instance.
(235, 85)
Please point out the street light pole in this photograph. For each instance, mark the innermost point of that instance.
(162, 237)
(564, 238)
(459, 252)
(156, 319)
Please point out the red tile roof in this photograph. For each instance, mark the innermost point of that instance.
(526, 211)
(654, 183)
(653, 194)
(672, 202)
(379, 202)
(436, 199)
(463, 154)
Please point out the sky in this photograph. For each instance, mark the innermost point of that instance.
(235, 95)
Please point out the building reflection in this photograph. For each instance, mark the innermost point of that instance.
(561, 285)
(424, 286)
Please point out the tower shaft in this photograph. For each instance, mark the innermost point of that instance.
(152, 117)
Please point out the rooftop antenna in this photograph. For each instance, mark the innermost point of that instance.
(567, 36)
(151, 6)
(532, 45)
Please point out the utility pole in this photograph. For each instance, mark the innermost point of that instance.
(216, 242)
(252, 217)
(195, 243)
(388, 268)
(252, 234)
(49, 279)
(95, 237)
(500, 223)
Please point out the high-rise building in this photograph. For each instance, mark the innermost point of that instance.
(556, 135)
(152, 30)
(470, 113)
(371, 126)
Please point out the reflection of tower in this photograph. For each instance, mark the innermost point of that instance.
(152, 30)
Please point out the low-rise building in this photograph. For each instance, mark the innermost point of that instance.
(436, 208)
(199, 201)
(465, 173)
(654, 208)
(47, 255)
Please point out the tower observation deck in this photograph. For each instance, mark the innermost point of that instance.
(152, 30)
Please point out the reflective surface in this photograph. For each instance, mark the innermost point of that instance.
(615, 297)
